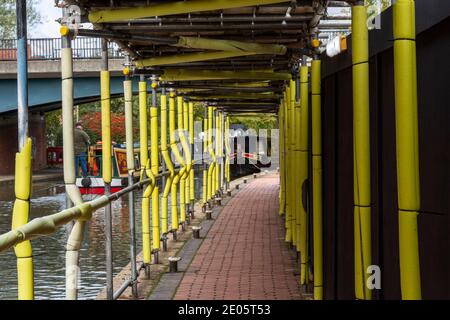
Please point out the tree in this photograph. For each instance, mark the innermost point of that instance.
(8, 17)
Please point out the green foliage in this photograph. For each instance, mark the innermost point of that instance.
(256, 122)
(8, 17)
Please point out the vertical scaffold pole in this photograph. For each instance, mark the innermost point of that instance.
(282, 130)
(169, 165)
(173, 146)
(144, 161)
(303, 163)
(188, 175)
(192, 173)
(156, 234)
(106, 164)
(316, 132)
(361, 152)
(73, 194)
(23, 171)
(180, 109)
(288, 125)
(295, 125)
(205, 165)
(407, 132)
(128, 97)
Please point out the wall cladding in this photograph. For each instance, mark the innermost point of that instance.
(433, 67)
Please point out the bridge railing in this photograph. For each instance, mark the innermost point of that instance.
(50, 49)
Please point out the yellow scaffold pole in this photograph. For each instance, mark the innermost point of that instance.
(154, 153)
(361, 153)
(192, 173)
(294, 172)
(218, 155)
(107, 163)
(289, 205)
(282, 127)
(23, 251)
(205, 166)
(211, 152)
(408, 178)
(227, 150)
(180, 109)
(303, 174)
(188, 174)
(169, 166)
(316, 132)
(145, 170)
(180, 160)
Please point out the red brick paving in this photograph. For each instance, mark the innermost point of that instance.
(244, 256)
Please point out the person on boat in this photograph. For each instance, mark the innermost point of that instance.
(81, 144)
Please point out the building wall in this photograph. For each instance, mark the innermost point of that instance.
(9, 143)
(434, 143)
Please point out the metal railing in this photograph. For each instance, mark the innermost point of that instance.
(50, 49)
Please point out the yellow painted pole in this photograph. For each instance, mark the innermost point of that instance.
(282, 135)
(23, 251)
(156, 233)
(143, 123)
(218, 154)
(316, 132)
(144, 161)
(295, 210)
(180, 109)
(211, 152)
(289, 204)
(408, 177)
(361, 153)
(205, 166)
(191, 139)
(188, 174)
(176, 153)
(169, 166)
(303, 170)
(106, 126)
(228, 150)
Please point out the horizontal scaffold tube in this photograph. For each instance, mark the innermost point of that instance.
(49, 224)
(172, 74)
(171, 8)
(189, 57)
(230, 46)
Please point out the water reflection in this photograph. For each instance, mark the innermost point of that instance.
(49, 251)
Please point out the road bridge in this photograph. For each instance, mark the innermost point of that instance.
(362, 186)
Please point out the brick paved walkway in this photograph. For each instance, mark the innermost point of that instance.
(244, 255)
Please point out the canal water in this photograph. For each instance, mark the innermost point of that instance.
(49, 251)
